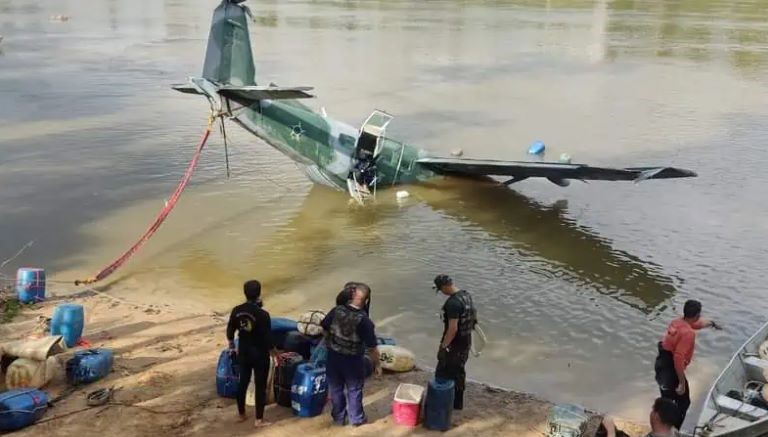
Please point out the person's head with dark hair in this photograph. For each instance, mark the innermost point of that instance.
(692, 310)
(360, 294)
(345, 295)
(664, 415)
(252, 290)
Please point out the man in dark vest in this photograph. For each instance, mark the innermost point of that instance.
(349, 332)
(253, 327)
(459, 318)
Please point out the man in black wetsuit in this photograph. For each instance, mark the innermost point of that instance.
(253, 326)
(459, 318)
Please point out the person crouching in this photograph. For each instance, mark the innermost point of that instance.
(349, 332)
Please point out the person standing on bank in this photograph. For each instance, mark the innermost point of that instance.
(676, 353)
(348, 332)
(253, 326)
(459, 318)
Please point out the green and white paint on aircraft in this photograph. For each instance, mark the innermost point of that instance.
(326, 149)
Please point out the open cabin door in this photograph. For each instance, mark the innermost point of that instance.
(363, 176)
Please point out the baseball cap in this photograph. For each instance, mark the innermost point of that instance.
(442, 280)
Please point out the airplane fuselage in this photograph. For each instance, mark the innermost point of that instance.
(323, 147)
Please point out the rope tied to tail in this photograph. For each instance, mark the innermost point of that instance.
(167, 208)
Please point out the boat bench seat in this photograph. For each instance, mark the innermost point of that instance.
(755, 368)
(733, 407)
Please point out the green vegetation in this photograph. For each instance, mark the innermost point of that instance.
(9, 306)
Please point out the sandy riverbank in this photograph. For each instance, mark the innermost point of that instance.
(165, 368)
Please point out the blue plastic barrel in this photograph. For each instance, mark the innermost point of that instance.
(68, 320)
(227, 375)
(89, 366)
(280, 328)
(21, 407)
(309, 390)
(30, 285)
(439, 404)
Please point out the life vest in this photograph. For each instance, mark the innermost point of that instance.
(468, 317)
(342, 336)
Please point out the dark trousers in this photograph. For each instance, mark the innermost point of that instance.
(666, 377)
(253, 361)
(346, 379)
(451, 366)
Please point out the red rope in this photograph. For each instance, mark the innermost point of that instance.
(106, 271)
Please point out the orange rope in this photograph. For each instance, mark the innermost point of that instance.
(106, 271)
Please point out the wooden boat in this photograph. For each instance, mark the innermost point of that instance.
(737, 403)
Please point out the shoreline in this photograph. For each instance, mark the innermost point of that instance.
(164, 375)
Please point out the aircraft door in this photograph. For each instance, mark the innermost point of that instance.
(363, 175)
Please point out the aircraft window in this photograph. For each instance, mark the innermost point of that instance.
(346, 140)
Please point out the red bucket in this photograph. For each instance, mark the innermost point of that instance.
(407, 404)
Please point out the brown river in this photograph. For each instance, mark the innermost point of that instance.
(574, 285)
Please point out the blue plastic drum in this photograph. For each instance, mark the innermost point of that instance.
(309, 391)
(89, 366)
(68, 321)
(439, 404)
(30, 285)
(21, 407)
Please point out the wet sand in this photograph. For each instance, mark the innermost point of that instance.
(164, 372)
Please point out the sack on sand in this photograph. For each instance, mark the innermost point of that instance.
(566, 420)
(309, 323)
(396, 358)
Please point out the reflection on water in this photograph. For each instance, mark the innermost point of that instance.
(574, 285)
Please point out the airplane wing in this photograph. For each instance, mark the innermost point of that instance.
(554, 171)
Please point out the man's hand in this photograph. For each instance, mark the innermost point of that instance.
(442, 353)
(377, 370)
(680, 390)
(715, 325)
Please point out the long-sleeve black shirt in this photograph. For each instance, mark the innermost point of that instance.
(253, 325)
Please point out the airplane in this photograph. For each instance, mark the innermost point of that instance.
(338, 155)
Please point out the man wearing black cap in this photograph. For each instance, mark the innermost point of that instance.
(459, 318)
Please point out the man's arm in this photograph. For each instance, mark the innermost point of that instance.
(610, 427)
(367, 332)
(231, 328)
(703, 323)
(683, 349)
(450, 333)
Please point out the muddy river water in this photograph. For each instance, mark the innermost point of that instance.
(574, 285)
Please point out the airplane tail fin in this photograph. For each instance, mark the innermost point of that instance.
(228, 58)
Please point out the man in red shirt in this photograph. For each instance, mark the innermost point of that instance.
(676, 353)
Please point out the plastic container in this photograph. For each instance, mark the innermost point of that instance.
(30, 285)
(27, 373)
(439, 404)
(68, 321)
(280, 328)
(309, 390)
(286, 370)
(299, 343)
(407, 404)
(227, 375)
(89, 366)
(21, 407)
(537, 148)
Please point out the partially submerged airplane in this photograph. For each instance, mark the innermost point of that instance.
(338, 155)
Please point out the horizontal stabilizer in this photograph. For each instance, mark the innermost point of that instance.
(186, 88)
(519, 170)
(254, 93)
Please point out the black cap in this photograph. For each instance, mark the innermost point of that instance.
(441, 281)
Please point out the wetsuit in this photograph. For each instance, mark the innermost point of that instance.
(349, 332)
(450, 363)
(254, 343)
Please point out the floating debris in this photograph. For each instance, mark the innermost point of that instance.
(59, 18)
